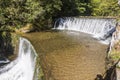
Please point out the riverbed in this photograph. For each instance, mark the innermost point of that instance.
(68, 55)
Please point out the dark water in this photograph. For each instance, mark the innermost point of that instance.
(69, 55)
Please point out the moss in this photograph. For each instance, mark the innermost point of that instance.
(39, 72)
(115, 52)
(115, 55)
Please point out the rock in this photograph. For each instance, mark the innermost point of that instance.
(118, 74)
(115, 38)
(118, 64)
(114, 51)
(4, 60)
(26, 29)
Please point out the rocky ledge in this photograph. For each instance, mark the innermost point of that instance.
(114, 51)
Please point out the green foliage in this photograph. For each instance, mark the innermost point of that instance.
(105, 8)
(75, 7)
(51, 9)
(41, 13)
(16, 13)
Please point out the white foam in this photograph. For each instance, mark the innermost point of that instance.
(99, 28)
(23, 67)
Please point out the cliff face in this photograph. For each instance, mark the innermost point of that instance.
(114, 52)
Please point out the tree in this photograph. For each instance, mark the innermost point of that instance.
(75, 8)
(16, 13)
(105, 8)
(42, 13)
(51, 9)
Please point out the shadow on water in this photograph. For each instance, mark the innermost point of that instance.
(110, 74)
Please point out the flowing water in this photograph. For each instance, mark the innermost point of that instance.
(98, 27)
(21, 68)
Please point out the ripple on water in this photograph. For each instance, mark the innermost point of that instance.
(69, 56)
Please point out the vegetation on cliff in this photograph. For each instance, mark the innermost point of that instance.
(114, 52)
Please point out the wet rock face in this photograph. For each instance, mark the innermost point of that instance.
(114, 51)
(5, 43)
(115, 42)
(8, 44)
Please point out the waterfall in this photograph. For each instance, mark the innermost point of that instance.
(23, 67)
(102, 28)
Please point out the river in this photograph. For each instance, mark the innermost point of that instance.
(69, 55)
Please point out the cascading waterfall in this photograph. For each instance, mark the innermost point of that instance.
(23, 67)
(102, 28)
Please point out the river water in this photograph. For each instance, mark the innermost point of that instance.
(68, 55)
